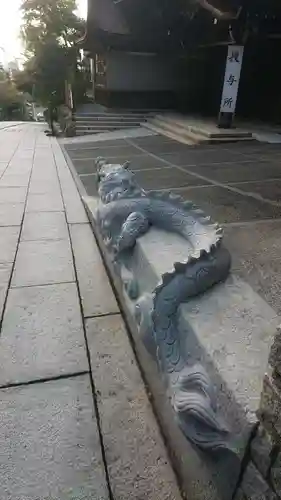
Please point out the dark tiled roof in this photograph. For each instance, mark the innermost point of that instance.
(166, 25)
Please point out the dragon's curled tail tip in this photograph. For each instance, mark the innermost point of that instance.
(194, 404)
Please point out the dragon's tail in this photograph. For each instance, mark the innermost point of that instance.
(194, 404)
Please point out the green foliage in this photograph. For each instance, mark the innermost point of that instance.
(3, 74)
(9, 94)
(52, 20)
(10, 98)
(49, 31)
(24, 79)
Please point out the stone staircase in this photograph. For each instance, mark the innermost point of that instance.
(189, 130)
(97, 122)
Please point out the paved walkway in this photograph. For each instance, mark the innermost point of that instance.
(238, 184)
(4, 125)
(75, 418)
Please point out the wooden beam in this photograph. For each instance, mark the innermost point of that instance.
(218, 13)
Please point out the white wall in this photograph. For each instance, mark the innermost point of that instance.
(135, 72)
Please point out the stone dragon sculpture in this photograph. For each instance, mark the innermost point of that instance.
(126, 213)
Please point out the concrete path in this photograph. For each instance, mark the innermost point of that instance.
(4, 125)
(76, 422)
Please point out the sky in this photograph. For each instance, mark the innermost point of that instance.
(10, 21)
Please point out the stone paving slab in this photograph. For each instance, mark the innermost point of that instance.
(43, 262)
(253, 146)
(240, 172)
(18, 166)
(44, 226)
(15, 180)
(5, 274)
(270, 190)
(24, 155)
(22, 160)
(38, 186)
(90, 184)
(19, 169)
(6, 154)
(7, 124)
(8, 243)
(86, 166)
(108, 152)
(167, 178)
(227, 206)
(75, 213)
(96, 292)
(3, 166)
(166, 147)
(11, 214)
(256, 258)
(152, 140)
(44, 170)
(42, 334)
(44, 202)
(49, 441)
(74, 209)
(198, 157)
(267, 153)
(137, 460)
(95, 145)
(12, 195)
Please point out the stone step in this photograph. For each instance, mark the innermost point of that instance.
(108, 126)
(171, 135)
(205, 131)
(93, 123)
(187, 134)
(111, 120)
(178, 132)
(109, 116)
(114, 124)
(91, 132)
(181, 128)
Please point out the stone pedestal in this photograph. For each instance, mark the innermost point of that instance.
(228, 331)
(225, 120)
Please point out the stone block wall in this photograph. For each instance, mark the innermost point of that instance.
(261, 477)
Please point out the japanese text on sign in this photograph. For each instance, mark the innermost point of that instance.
(231, 78)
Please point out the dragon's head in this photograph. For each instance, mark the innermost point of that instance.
(114, 180)
(105, 169)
